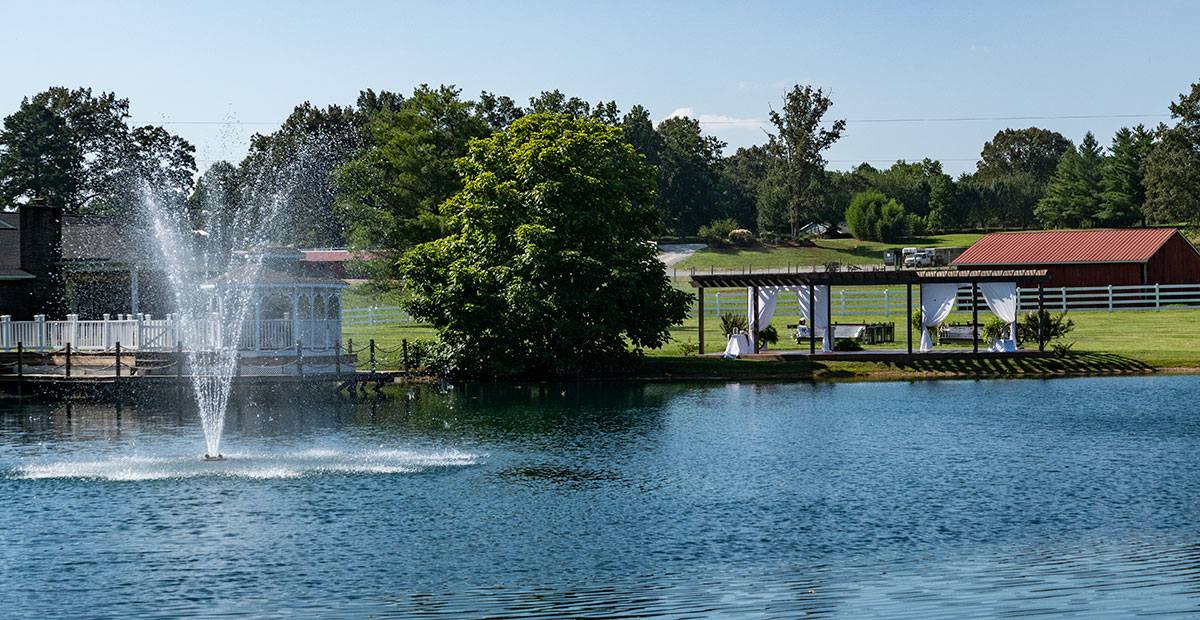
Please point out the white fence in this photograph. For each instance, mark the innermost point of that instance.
(143, 333)
(890, 302)
(375, 316)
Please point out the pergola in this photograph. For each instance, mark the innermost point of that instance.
(811, 280)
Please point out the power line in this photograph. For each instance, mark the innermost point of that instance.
(959, 119)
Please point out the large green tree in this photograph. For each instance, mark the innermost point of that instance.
(1124, 191)
(741, 175)
(796, 149)
(1072, 198)
(37, 157)
(393, 189)
(1033, 151)
(688, 186)
(548, 268)
(1172, 169)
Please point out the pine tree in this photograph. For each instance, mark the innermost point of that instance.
(1122, 180)
(1073, 196)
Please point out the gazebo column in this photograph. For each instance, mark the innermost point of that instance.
(1041, 317)
(133, 291)
(295, 317)
(908, 318)
(812, 324)
(974, 317)
(754, 317)
(700, 317)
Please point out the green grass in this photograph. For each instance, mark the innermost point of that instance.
(846, 251)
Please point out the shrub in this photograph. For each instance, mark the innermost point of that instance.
(847, 344)
(733, 323)
(872, 216)
(426, 355)
(716, 233)
(994, 329)
(688, 348)
(741, 237)
(1056, 326)
(769, 335)
(771, 237)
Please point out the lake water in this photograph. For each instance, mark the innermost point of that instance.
(1069, 497)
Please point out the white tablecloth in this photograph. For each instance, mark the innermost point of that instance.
(739, 344)
(1003, 345)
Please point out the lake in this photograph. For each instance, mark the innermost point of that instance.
(998, 498)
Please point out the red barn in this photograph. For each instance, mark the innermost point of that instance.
(1120, 257)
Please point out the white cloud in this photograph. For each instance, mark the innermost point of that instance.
(713, 123)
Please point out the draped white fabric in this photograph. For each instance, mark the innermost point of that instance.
(1001, 298)
(821, 318)
(937, 300)
(766, 308)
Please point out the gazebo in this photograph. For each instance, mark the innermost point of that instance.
(938, 290)
(290, 305)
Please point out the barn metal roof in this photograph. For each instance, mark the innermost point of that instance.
(1128, 245)
(866, 277)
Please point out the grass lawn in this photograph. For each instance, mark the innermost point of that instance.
(847, 251)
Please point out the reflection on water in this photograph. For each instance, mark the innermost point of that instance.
(919, 500)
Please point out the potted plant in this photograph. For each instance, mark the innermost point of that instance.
(768, 336)
(994, 330)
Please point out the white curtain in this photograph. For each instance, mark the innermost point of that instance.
(766, 309)
(1001, 298)
(817, 317)
(937, 300)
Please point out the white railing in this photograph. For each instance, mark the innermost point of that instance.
(142, 333)
(375, 315)
(889, 302)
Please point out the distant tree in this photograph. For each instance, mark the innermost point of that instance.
(393, 189)
(498, 111)
(688, 191)
(218, 207)
(547, 268)
(1033, 151)
(639, 132)
(116, 159)
(872, 216)
(558, 103)
(1009, 201)
(1072, 198)
(38, 159)
(740, 175)
(796, 148)
(909, 183)
(1172, 169)
(947, 209)
(1124, 191)
(292, 165)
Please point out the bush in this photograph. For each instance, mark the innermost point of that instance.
(1057, 326)
(994, 329)
(427, 355)
(769, 335)
(688, 348)
(771, 237)
(847, 344)
(872, 216)
(733, 323)
(741, 238)
(716, 233)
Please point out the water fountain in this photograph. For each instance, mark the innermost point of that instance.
(211, 319)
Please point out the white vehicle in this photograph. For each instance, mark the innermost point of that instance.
(919, 258)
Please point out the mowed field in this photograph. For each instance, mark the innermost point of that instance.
(824, 251)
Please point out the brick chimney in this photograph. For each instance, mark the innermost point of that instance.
(41, 253)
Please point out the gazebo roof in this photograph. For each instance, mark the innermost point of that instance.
(266, 276)
(866, 277)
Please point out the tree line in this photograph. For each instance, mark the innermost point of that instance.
(373, 175)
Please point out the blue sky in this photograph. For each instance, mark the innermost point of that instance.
(241, 67)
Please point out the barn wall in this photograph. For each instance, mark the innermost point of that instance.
(1176, 262)
(1085, 274)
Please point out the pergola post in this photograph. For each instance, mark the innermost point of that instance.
(754, 318)
(812, 324)
(908, 318)
(1041, 317)
(829, 332)
(974, 317)
(700, 317)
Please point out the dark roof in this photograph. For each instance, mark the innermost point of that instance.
(1129, 245)
(865, 277)
(101, 239)
(10, 249)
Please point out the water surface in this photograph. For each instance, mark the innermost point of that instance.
(1073, 497)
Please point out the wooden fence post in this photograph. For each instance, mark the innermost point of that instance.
(68, 359)
(404, 343)
(372, 356)
(118, 364)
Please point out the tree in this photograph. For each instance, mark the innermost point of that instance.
(38, 159)
(872, 216)
(1072, 198)
(499, 112)
(393, 190)
(115, 159)
(292, 166)
(548, 267)
(1172, 169)
(218, 207)
(687, 175)
(639, 132)
(1033, 151)
(740, 176)
(796, 149)
(1124, 191)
